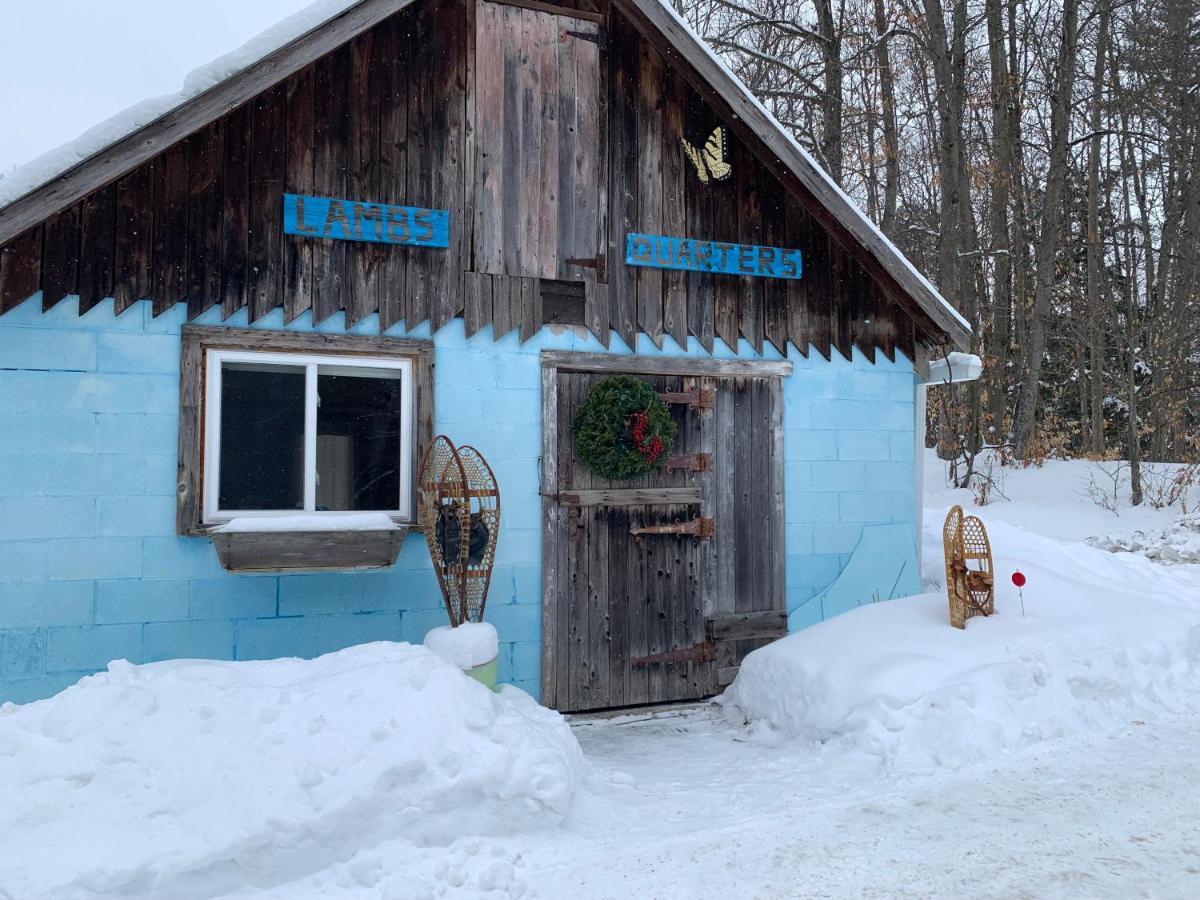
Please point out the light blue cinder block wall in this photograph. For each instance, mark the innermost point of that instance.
(91, 570)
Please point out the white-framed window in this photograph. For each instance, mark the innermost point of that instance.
(294, 433)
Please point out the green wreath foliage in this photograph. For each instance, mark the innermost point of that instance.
(607, 422)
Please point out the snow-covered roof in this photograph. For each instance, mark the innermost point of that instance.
(98, 146)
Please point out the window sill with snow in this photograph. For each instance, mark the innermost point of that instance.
(277, 544)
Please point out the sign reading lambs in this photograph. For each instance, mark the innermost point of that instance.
(352, 220)
(690, 255)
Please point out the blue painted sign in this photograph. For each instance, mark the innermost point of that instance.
(353, 220)
(686, 254)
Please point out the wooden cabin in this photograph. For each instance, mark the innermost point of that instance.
(452, 216)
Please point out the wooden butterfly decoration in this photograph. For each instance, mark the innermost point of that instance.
(711, 160)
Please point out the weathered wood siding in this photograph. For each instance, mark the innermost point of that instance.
(548, 132)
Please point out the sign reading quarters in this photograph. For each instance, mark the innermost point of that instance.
(353, 220)
(689, 255)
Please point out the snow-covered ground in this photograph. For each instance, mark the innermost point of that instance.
(886, 755)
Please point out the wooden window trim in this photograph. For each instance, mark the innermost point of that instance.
(572, 361)
(198, 339)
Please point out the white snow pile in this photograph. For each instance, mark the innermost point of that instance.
(368, 521)
(195, 778)
(1178, 543)
(1104, 639)
(470, 644)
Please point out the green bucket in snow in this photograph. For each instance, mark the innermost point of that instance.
(485, 674)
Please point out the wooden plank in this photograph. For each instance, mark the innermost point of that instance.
(623, 175)
(598, 609)
(331, 122)
(491, 143)
(135, 238)
(60, 257)
(775, 290)
(392, 41)
(630, 496)
(651, 365)
(170, 228)
(820, 291)
(221, 337)
(746, 625)
(649, 185)
(704, 603)
(478, 302)
(363, 260)
(549, 146)
(298, 179)
(674, 218)
(189, 478)
(529, 158)
(530, 316)
(205, 150)
(840, 336)
(448, 24)
(308, 551)
(464, 260)
(141, 146)
(268, 163)
(419, 155)
(749, 230)
(20, 269)
(553, 538)
(557, 9)
(701, 297)
(236, 211)
(568, 156)
(506, 298)
(796, 227)
(97, 245)
(777, 551)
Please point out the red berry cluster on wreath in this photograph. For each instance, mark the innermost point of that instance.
(651, 449)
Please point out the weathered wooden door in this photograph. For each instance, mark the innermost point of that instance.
(635, 617)
(539, 161)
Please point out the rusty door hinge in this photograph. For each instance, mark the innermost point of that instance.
(596, 262)
(701, 528)
(705, 651)
(698, 398)
(691, 462)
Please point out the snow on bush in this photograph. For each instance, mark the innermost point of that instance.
(470, 644)
(1178, 543)
(194, 777)
(1106, 640)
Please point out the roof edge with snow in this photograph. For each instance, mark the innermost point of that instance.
(51, 183)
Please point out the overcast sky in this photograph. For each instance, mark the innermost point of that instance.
(66, 65)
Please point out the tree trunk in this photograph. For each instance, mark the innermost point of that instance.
(887, 93)
(1095, 259)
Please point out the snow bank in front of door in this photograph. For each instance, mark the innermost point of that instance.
(194, 777)
(1103, 640)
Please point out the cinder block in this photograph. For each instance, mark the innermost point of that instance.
(809, 445)
(22, 518)
(130, 516)
(232, 597)
(416, 623)
(135, 601)
(904, 507)
(865, 507)
(179, 557)
(816, 572)
(34, 605)
(188, 640)
(276, 638)
(28, 690)
(519, 547)
(95, 476)
(890, 476)
(862, 385)
(396, 590)
(92, 647)
(86, 392)
(532, 688)
(798, 539)
(516, 621)
(93, 558)
(902, 446)
(159, 477)
(812, 508)
(526, 661)
(138, 434)
(49, 433)
(42, 348)
(23, 476)
(838, 476)
(864, 445)
(22, 561)
(336, 632)
(150, 353)
(803, 614)
(797, 478)
(836, 538)
(515, 405)
(303, 595)
(22, 654)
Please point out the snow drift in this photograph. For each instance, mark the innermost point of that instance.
(1104, 640)
(190, 778)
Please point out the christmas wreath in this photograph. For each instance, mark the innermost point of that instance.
(623, 429)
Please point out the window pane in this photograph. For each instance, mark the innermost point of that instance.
(262, 437)
(358, 438)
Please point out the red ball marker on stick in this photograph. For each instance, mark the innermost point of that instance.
(1018, 578)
